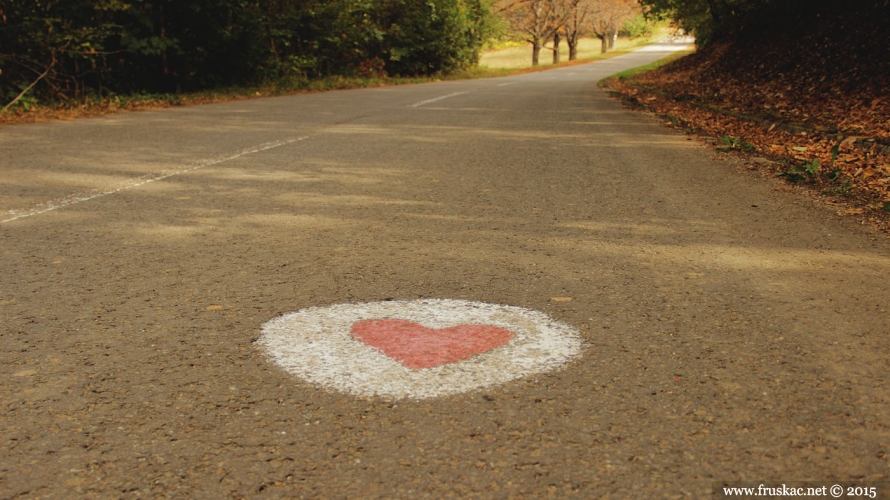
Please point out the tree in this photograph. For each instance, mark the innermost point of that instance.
(54, 50)
(537, 21)
(602, 18)
(694, 16)
(58, 45)
(578, 25)
(434, 36)
(565, 8)
(711, 19)
(607, 16)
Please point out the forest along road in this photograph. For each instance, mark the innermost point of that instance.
(728, 332)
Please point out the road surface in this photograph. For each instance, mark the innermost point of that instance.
(729, 332)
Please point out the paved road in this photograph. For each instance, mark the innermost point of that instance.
(730, 332)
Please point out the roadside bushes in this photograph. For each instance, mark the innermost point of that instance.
(54, 51)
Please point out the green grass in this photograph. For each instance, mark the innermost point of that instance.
(640, 69)
(520, 56)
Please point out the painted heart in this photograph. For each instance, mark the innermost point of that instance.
(417, 346)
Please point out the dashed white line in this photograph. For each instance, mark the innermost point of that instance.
(508, 83)
(145, 179)
(421, 103)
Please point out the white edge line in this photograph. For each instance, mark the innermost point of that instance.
(139, 181)
(421, 103)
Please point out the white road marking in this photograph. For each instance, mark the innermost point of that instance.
(317, 345)
(139, 181)
(509, 83)
(421, 103)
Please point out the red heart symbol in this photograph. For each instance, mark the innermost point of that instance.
(417, 346)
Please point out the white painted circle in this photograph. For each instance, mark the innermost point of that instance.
(316, 345)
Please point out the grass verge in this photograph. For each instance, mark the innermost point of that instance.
(623, 75)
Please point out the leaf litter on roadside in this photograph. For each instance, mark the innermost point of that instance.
(820, 118)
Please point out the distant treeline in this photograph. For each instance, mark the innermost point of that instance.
(73, 48)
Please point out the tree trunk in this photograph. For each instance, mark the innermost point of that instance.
(556, 40)
(613, 38)
(572, 42)
(536, 52)
(604, 45)
(166, 68)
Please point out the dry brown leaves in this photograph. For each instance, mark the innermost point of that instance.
(861, 187)
(796, 97)
(813, 88)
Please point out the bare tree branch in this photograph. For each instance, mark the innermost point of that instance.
(31, 86)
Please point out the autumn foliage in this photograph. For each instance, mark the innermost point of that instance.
(540, 21)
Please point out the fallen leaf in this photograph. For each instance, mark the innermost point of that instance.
(561, 299)
(848, 142)
(214, 308)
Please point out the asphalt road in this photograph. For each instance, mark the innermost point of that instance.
(730, 332)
